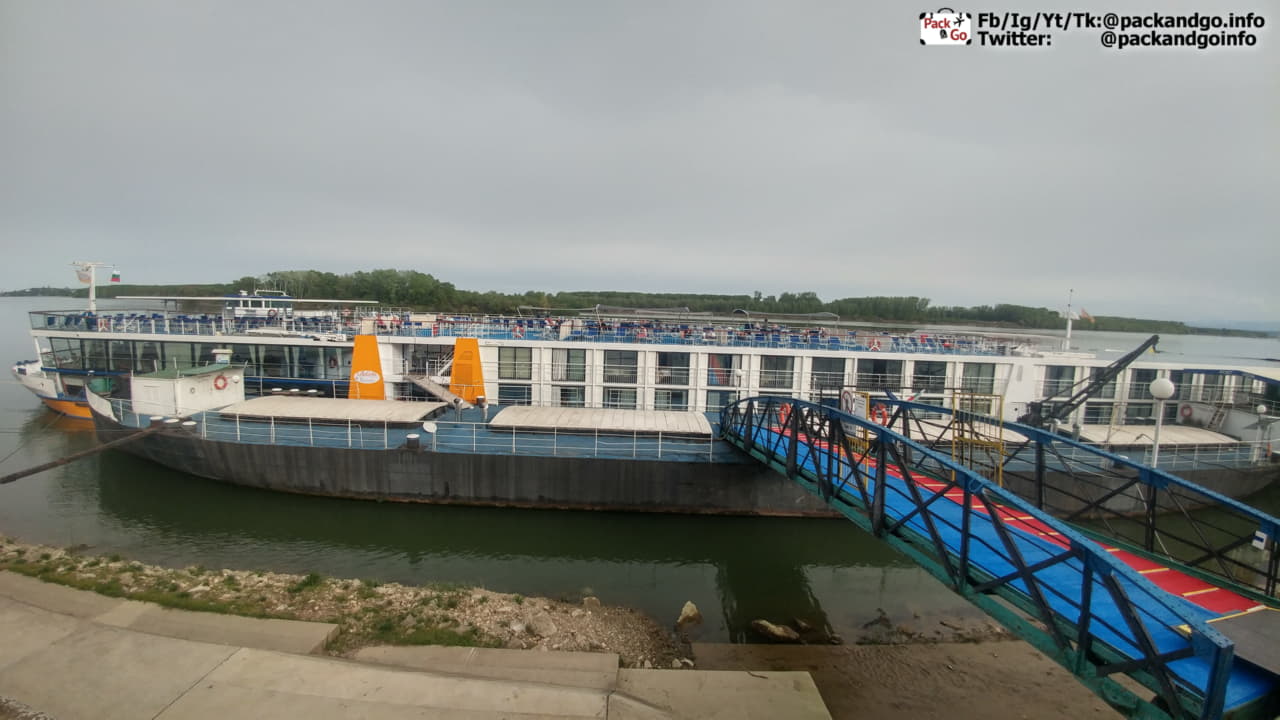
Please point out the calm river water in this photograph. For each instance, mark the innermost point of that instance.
(826, 572)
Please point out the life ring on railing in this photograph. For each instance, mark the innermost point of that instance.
(1185, 412)
(272, 313)
(875, 344)
(517, 332)
(220, 382)
(879, 414)
(333, 361)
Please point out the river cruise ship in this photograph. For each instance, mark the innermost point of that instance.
(616, 358)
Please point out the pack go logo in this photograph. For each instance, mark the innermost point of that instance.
(946, 27)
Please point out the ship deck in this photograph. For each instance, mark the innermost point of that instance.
(295, 409)
(601, 420)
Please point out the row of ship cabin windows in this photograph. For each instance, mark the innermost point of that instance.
(618, 398)
(726, 370)
(1060, 381)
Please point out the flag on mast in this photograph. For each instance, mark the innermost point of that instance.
(1084, 315)
(115, 276)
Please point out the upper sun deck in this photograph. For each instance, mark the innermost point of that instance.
(343, 324)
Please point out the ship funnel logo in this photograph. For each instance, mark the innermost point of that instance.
(366, 377)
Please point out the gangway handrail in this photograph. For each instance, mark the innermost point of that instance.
(1159, 484)
(1075, 642)
(1147, 474)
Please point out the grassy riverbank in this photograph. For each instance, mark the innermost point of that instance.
(366, 612)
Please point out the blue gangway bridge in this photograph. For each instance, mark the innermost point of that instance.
(1157, 594)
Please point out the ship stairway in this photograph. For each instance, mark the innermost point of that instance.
(1220, 412)
(440, 391)
(1099, 562)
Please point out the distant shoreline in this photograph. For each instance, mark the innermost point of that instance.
(1098, 324)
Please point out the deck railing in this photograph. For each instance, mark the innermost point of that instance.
(448, 437)
(506, 328)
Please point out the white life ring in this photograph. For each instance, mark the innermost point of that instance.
(1185, 412)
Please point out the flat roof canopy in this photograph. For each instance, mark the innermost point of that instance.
(605, 420)
(1170, 434)
(288, 407)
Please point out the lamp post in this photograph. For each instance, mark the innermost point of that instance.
(1262, 412)
(1161, 389)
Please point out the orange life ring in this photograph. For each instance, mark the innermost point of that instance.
(1185, 411)
(220, 382)
(875, 344)
(880, 414)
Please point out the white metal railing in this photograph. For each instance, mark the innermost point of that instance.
(455, 437)
(1193, 457)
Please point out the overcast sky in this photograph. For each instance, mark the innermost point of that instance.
(659, 146)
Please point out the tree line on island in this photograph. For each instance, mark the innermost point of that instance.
(414, 289)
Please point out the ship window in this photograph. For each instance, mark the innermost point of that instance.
(1097, 413)
(1108, 390)
(1140, 414)
(717, 399)
(776, 371)
(122, 355)
(309, 362)
(275, 361)
(96, 354)
(929, 376)
(569, 365)
(515, 394)
(673, 369)
(149, 357)
(1213, 387)
(722, 369)
(671, 400)
(242, 354)
(620, 367)
(1182, 383)
(571, 396)
(177, 355)
(828, 374)
(876, 374)
(66, 353)
(1140, 383)
(979, 377)
(515, 363)
(1059, 380)
(620, 398)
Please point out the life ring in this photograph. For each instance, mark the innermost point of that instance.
(518, 331)
(272, 313)
(875, 344)
(1185, 412)
(880, 414)
(220, 382)
(333, 361)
